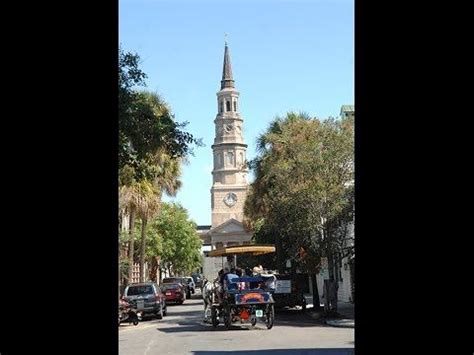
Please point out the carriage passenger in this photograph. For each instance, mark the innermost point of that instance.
(241, 285)
(228, 283)
(269, 281)
(257, 270)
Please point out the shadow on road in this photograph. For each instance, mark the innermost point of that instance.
(180, 305)
(188, 319)
(192, 320)
(200, 328)
(323, 351)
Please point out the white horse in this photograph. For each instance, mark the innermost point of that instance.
(208, 298)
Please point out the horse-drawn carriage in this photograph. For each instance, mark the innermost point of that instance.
(246, 299)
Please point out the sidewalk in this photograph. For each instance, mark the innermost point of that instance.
(345, 310)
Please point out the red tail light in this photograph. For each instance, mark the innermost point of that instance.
(244, 314)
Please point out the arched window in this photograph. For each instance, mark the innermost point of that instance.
(228, 106)
(235, 106)
(221, 106)
(230, 158)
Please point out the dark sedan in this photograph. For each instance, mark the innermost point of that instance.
(179, 280)
(174, 293)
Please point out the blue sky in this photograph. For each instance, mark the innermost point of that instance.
(286, 56)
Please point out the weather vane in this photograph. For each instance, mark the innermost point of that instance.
(225, 37)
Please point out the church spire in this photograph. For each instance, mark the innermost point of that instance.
(227, 80)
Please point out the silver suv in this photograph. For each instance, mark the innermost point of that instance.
(147, 298)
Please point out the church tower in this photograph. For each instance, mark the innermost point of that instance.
(229, 184)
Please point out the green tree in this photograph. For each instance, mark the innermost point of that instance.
(180, 244)
(130, 201)
(302, 192)
(164, 169)
(147, 133)
(146, 123)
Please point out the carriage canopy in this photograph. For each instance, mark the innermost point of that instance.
(255, 249)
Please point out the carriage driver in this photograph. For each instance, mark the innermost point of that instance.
(220, 278)
(228, 283)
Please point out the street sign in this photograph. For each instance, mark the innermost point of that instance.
(324, 271)
(324, 274)
(283, 286)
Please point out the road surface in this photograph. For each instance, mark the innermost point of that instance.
(183, 332)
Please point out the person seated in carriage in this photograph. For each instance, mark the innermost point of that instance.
(269, 280)
(225, 282)
(228, 283)
(257, 270)
(241, 285)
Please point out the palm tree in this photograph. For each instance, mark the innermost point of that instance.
(166, 181)
(159, 169)
(129, 201)
(165, 176)
(148, 206)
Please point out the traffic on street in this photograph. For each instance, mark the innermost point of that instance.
(183, 331)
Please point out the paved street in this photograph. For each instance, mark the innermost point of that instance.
(182, 332)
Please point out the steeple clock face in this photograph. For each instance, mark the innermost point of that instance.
(229, 128)
(230, 199)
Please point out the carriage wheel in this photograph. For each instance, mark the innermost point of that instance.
(227, 317)
(215, 320)
(269, 316)
(253, 316)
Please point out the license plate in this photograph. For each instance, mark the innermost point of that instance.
(168, 293)
(259, 313)
(140, 304)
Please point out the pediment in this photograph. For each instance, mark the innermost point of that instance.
(229, 226)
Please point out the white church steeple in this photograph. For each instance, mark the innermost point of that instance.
(230, 185)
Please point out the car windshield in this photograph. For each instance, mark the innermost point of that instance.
(171, 287)
(140, 290)
(190, 280)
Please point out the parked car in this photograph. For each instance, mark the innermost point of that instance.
(174, 292)
(181, 280)
(197, 280)
(146, 298)
(191, 284)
